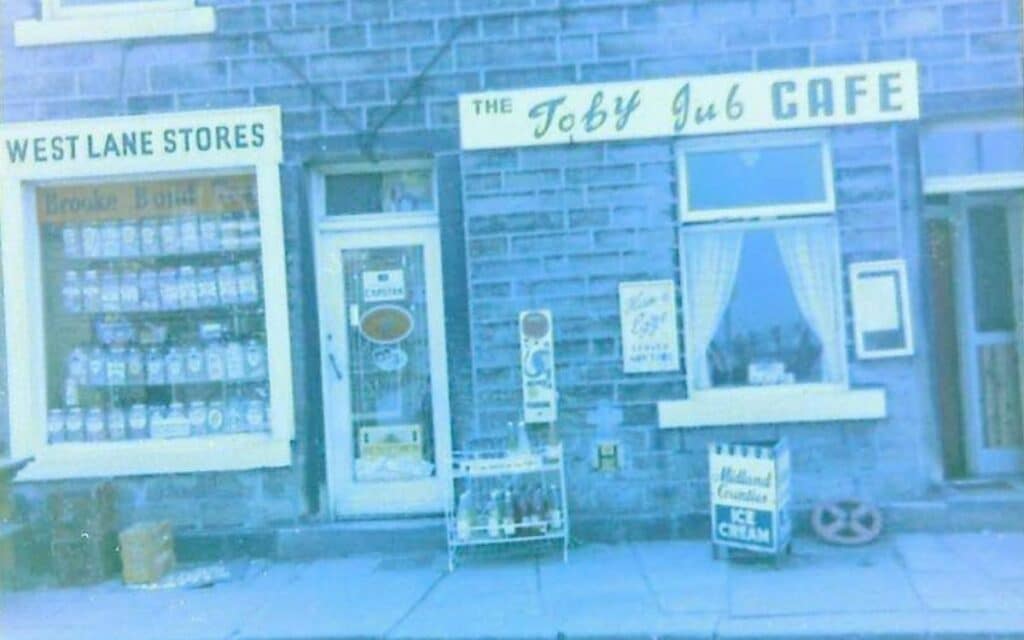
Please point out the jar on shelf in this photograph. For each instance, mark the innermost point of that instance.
(130, 242)
(71, 237)
(71, 292)
(110, 240)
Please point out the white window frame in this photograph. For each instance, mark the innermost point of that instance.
(897, 268)
(61, 24)
(801, 402)
(371, 218)
(23, 306)
(969, 182)
(755, 143)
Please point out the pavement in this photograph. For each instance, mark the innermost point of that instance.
(964, 585)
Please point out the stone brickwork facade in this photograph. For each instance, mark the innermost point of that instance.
(556, 227)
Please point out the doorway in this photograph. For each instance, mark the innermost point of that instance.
(385, 386)
(987, 280)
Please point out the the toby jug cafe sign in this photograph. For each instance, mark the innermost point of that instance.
(687, 106)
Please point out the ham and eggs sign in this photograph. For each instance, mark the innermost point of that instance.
(685, 106)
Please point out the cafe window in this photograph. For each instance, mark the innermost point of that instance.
(762, 295)
(68, 21)
(751, 177)
(156, 337)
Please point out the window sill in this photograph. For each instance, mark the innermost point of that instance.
(97, 28)
(145, 457)
(772, 405)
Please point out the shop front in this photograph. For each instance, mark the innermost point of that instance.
(143, 265)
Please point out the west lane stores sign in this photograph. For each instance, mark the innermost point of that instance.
(151, 142)
(687, 106)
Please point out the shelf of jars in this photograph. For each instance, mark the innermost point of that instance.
(158, 328)
(507, 497)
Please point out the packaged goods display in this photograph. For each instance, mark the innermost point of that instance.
(155, 313)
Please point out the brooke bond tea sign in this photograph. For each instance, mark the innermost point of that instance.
(684, 106)
(647, 311)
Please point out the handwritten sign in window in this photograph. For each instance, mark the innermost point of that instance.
(726, 103)
(650, 339)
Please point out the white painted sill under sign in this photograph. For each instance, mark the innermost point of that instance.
(75, 28)
(765, 405)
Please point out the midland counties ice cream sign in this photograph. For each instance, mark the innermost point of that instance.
(686, 106)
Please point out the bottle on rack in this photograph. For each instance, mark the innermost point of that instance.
(110, 292)
(72, 238)
(97, 367)
(554, 517)
(522, 512)
(494, 515)
(206, 281)
(55, 425)
(137, 421)
(227, 284)
(91, 244)
(156, 369)
(90, 291)
(116, 367)
(135, 366)
(110, 240)
(538, 505)
(149, 290)
(130, 238)
(464, 517)
(74, 425)
(71, 292)
(189, 234)
(95, 427)
(188, 291)
(149, 237)
(508, 521)
(195, 364)
(117, 426)
(209, 233)
(129, 290)
(170, 236)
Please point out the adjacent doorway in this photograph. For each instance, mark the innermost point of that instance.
(387, 434)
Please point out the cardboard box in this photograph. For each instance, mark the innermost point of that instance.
(147, 552)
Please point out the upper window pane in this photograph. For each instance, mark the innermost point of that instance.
(990, 269)
(380, 192)
(973, 149)
(755, 177)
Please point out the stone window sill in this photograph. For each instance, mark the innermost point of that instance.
(766, 405)
(120, 26)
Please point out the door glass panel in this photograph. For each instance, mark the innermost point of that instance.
(1000, 396)
(388, 363)
(990, 269)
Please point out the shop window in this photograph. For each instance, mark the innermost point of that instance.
(762, 293)
(401, 190)
(67, 21)
(776, 179)
(153, 310)
(973, 155)
(144, 298)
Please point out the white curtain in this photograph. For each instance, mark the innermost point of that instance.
(712, 260)
(808, 253)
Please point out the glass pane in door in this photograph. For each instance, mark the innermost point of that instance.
(1000, 396)
(388, 363)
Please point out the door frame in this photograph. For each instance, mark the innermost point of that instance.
(980, 461)
(340, 501)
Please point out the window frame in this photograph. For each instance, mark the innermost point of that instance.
(968, 182)
(796, 388)
(23, 307)
(61, 24)
(769, 404)
(755, 142)
(318, 189)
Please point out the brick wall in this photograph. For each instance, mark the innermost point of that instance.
(569, 222)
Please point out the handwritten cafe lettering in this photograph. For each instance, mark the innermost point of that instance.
(727, 103)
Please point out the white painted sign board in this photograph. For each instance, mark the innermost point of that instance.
(687, 106)
(650, 339)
